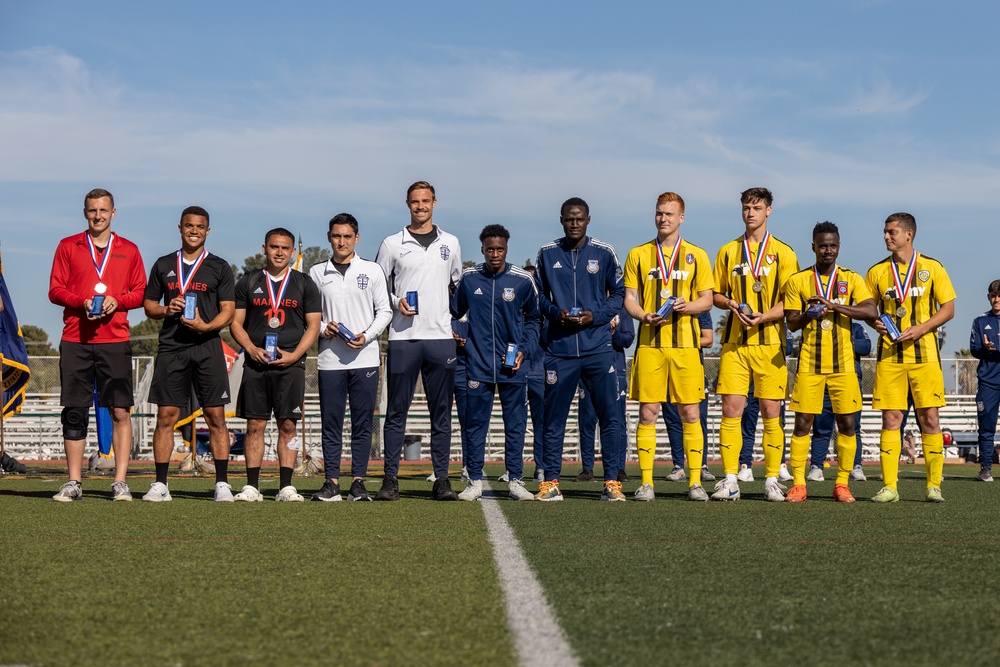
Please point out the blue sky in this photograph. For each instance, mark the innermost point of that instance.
(287, 114)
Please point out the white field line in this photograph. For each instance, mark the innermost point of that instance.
(537, 636)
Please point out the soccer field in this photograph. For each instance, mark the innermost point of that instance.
(193, 582)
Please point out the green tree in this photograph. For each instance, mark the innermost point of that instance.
(314, 255)
(968, 381)
(36, 341)
(146, 337)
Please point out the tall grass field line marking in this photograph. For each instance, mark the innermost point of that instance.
(538, 638)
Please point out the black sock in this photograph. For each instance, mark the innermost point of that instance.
(286, 477)
(221, 470)
(253, 477)
(161, 472)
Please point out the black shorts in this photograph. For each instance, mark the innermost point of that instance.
(109, 365)
(201, 368)
(265, 390)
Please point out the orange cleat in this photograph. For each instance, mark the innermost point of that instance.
(796, 494)
(842, 494)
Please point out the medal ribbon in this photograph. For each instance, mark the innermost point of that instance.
(828, 292)
(661, 261)
(103, 264)
(761, 251)
(182, 282)
(281, 289)
(903, 286)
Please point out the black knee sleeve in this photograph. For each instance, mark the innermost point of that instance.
(75, 422)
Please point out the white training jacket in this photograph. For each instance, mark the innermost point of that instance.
(430, 272)
(360, 300)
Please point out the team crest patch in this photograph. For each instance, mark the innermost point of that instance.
(593, 266)
(770, 258)
(924, 275)
(445, 252)
(842, 289)
(508, 293)
(550, 377)
(473, 384)
(362, 281)
(689, 258)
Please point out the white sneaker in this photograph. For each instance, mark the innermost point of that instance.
(289, 495)
(69, 492)
(249, 494)
(676, 475)
(158, 493)
(474, 491)
(465, 476)
(432, 478)
(223, 492)
(772, 493)
(858, 474)
(645, 492)
(516, 490)
(815, 474)
(725, 490)
(539, 475)
(696, 492)
(706, 475)
(505, 477)
(745, 474)
(783, 474)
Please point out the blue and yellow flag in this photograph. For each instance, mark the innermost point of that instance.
(13, 355)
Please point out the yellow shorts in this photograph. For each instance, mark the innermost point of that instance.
(659, 371)
(807, 394)
(765, 364)
(892, 381)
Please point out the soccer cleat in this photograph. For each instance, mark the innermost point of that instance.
(539, 475)
(706, 475)
(886, 495)
(772, 493)
(858, 474)
(842, 493)
(549, 492)
(613, 491)
(474, 491)
(158, 493)
(585, 476)
(442, 490)
(465, 476)
(69, 492)
(676, 475)
(622, 476)
(815, 474)
(934, 495)
(696, 492)
(223, 492)
(389, 489)
(12, 466)
(797, 494)
(119, 491)
(249, 494)
(985, 475)
(745, 474)
(358, 491)
(505, 477)
(725, 490)
(516, 490)
(97, 463)
(289, 495)
(645, 493)
(783, 474)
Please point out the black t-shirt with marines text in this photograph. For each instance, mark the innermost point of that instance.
(301, 297)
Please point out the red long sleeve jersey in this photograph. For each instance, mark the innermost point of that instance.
(73, 279)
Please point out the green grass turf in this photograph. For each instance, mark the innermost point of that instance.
(191, 582)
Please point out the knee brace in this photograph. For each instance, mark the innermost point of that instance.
(75, 422)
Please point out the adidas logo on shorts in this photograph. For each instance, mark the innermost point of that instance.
(225, 395)
(297, 410)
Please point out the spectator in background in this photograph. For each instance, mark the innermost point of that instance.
(984, 344)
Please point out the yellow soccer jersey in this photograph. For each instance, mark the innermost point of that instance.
(692, 273)
(931, 287)
(826, 350)
(734, 279)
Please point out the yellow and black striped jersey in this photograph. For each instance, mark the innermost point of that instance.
(692, 273)
(826, 350)
(931, 287)
(734, 279)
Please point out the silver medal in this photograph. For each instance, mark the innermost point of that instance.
(826, 324)
(273, 322)
(758, 287)
(901, 312)
(100, 288)
(665, 293)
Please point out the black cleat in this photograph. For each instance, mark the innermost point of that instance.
(389, 489)
(585, 476)
(442, 490)
(329, 493)
(358, 491)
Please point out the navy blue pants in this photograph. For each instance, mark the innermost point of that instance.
(360, 386)
(588, 426)
(513, 403)
(675, 430)
(987, 402)
(536, 401)
(461, 393)
(823, 431)
(562, 376)
(435, 361)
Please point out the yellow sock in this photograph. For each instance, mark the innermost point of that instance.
(694, 445)
(774, 446)
(847, 445)
(798, 454)
(888, 455)
(645, 446)
(730, 442)
(933, 444)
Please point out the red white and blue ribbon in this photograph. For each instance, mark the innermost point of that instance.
(276, 300)
(828, 292)
(666, 270)
(903, 284)
(761, 251)
(184, 282)
(103, 264)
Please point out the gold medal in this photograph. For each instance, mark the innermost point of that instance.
(664, 293)
(758, 287)
(826, 325)
(901, 312)
(273, 322)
